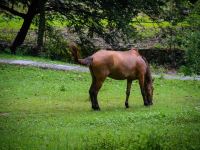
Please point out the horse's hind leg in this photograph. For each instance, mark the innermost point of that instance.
(94, 89)
(142, 88)
(91, 92)
(93, 96)
(128, 89)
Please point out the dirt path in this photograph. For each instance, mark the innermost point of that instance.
(44, 65)
(80, 68)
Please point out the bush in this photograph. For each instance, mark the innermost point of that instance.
(192, 45)
(55, 46)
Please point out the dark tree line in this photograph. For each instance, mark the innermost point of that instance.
(86, 15)
(31, 9)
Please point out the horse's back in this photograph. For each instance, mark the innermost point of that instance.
(103, 56)
(117, 64)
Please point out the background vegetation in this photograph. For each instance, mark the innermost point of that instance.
(168, 24)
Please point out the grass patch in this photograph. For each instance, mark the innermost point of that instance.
(9, 27)
(10, 23)
(46, 109)
(13, 23)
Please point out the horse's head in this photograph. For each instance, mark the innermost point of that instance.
(150, 90)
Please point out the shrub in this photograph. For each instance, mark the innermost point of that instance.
(55, 46)
(192, 45)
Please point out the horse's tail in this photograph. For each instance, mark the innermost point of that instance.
(76, 55)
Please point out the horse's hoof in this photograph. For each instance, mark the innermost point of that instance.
(150, 103)
(96, 108)
(126, 105)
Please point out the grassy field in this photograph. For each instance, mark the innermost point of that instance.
(45, 109)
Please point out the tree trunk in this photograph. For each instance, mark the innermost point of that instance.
(32, 10)
(41, 28)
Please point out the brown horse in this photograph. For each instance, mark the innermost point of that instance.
(117, 65)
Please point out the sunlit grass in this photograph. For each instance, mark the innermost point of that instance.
(14, 23)
(45, 109)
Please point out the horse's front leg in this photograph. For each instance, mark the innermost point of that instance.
(142, 88)
(128, 89)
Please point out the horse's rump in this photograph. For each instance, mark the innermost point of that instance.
(86, 61)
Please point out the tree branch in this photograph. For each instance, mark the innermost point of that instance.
(12, 11)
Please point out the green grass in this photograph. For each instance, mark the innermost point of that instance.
(14, 23)
(10, 24)
(45, 109)
(9, 27)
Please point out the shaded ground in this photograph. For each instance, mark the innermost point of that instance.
(80, 68)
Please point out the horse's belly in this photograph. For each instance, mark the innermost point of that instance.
(117, 77)
(121, 76)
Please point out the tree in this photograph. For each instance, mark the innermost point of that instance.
(109, 19)
(32, 10)
(41, 27)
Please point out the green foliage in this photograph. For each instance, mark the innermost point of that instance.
(146, 27)
(10, 23)
(185, 70)
(37, 113)
(55, 46)
(193, 53)
(191, 42)
(157, 69)
(87, 18)
(7, 26)
(166, 21)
